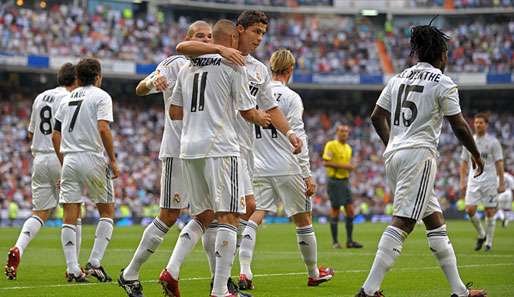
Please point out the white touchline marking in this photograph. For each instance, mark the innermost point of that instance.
(258, 275)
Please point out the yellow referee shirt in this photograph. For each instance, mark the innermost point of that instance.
(336, 151)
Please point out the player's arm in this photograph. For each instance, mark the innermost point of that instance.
(176, 113)
(501, 177)
(153, 82)
(56, 140)
(32, 123)
(337, 165)
(380, 120)
(197, 48)
(106, 135)
(461, 129)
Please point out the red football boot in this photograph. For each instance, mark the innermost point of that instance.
(169, 284)
(325, 274)
(13, 260)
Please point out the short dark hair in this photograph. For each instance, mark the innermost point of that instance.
(251, 17)
(483, 116)
(428, 43)
(87, 71)
(66, 75)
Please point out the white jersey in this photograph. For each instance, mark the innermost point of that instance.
(42, 121)
(170, 145)
(259, 86)
(417, 99)
(210, 92)
(79, 114)
(273, 152)
(491, 151)
(509, 182)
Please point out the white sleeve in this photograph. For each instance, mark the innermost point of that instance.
(104, 108)
(497, 151)
(384, 100)
(32, 124)
(170, 71)
(295, 120)
(464, 155)
(241, 90)
(176, 97)
(449, 97)
(59, 115)
(265, 98)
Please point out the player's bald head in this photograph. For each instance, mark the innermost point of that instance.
(224, 32)
(195, 27)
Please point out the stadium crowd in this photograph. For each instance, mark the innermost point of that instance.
(137, 142)
(287, 3)
(477, 46)
(335, 44)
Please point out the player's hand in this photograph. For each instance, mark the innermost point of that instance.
(160, 83)
(296, 142)
(310, 185)
(262, 118)
(115, 171)
(232, 55)
(478, 165)
(501, 188)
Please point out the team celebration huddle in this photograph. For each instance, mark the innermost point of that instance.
(234, 148)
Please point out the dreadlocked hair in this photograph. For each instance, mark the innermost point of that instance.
(428, 43)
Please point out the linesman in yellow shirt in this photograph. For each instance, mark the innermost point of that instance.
(337, 159)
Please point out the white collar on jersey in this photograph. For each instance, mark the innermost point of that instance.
(276, 82)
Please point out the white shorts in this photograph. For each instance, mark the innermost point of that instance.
(505, 200)
(215, 184)
(290, 189)
(46, 172)
(86, 170)
(487, 195)
(247, 166)
(173, 195)
(410, 175)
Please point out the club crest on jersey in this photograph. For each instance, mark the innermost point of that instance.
(242, 201)
(176, 197)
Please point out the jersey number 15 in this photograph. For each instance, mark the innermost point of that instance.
(404, 103)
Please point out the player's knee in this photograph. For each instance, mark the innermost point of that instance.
(169, 216)
(42, 214)
(302, 219)
(471, 210)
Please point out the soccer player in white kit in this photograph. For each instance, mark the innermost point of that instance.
(81, 137)
(208, 93)
(251, 26)
(408, 117)
(173, 197)
(282, 176)
(483, 189)
(505, 200)
(46, 169)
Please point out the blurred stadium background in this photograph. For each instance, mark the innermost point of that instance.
(345, 49)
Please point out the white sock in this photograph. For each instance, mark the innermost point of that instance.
(152, 237)
(490, 226)
(209, 245)
(28, 232)
(389, 248)
(225, 253)
(186, 241)
(249, 238)
(103, 235)
(68, 238)
(475, 220)
(442, 249)
(309, 249)
(79, 237)
(240, 229)
(499, 215)
(506, 214)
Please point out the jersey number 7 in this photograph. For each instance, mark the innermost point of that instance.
(404, 92)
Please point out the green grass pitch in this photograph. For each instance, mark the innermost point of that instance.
(278, 267)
